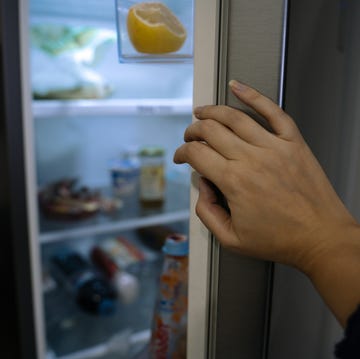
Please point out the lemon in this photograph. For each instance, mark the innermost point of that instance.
(154, 29)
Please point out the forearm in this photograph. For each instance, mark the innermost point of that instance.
(336, 273)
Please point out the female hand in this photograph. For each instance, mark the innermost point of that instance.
(282, 206)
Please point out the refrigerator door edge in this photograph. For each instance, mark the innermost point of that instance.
(255, 32)
(205, 92)
(30, 177)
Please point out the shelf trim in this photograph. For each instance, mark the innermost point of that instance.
(112, 107)
(98, 229)
(102, 349)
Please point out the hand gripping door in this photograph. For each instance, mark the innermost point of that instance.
(229, 295)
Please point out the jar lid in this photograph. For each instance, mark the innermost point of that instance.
(124, 165)
(176, 245)
(151, 151)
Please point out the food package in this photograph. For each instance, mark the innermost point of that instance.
(64, 59)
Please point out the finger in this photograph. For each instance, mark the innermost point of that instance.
(280, 121)
(219, 137)
(214, 216)
(239, 122)
(203, 159)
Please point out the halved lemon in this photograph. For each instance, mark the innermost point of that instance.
(154, 29)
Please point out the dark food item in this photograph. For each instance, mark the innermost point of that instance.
(63, 199)
(154, 236)
(93, 293)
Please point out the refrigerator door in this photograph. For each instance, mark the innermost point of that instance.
(255, 309)
(316, 66)
(245, 42)
(254, 32)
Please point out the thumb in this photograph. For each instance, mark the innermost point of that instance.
(213, 215)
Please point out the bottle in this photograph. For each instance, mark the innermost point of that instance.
(168, 337)
(93, 293)
(152, 176)
(125, 172)
(126, 284)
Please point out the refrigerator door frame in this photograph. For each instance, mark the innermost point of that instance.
(206, 62)
(19, 180)
(249, 45)
(30, 178)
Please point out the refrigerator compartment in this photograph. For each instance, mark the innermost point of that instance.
(123, 80)
(112, 107)
(67, 326)
(155, 31)
(74, 9)
(132, 215)
(65, 60)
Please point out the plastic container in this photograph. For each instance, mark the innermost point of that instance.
(124, 173)
(168, 338)
(152, 176)
(93, 293)
(142, 36)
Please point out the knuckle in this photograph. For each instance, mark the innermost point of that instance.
(206, 111)
(207, 127)
(252, 95)
(226, 111)
(231, 180)
(279, 113)
(235, 116)
(192, 148)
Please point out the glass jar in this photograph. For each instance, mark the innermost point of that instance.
(152, 175)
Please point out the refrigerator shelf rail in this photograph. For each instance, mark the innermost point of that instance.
(97, 229)
(99, 350)
(112, 107)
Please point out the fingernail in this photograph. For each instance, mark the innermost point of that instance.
(197, 110)
(238, 86)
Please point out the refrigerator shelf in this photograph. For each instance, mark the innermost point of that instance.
(131, 216)
(101, 350)
(120, 335)
(112, 107)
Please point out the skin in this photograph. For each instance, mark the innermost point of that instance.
(282, 206)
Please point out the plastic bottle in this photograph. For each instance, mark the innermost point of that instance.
(168, 338)
(125, 172)
(126, 284)
(93, 293)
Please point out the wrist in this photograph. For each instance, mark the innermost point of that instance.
(335, 270)
(332, 244)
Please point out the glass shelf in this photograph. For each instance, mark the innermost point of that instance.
(112, 107)
(67, 326)
(131, 216)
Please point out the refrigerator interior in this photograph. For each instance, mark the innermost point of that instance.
(132, 105)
